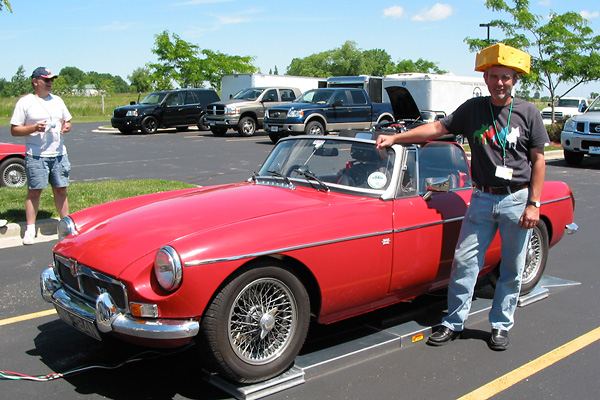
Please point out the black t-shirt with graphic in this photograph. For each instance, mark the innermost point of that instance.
(474, 120)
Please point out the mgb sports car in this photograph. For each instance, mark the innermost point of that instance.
(328, 228)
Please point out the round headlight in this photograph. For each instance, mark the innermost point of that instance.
(168, 269)
(65, 227)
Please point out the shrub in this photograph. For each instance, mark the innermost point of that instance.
(554, 130)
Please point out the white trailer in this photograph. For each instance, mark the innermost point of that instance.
(435, 92)
(233, 83)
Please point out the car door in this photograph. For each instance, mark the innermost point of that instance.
(269, 98)
(172, 109)
(359, 110)
(426, 231)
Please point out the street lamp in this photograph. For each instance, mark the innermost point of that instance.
(488, 30)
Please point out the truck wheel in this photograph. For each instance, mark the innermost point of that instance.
(256, 324)
(218, 131)
(126, 131)
(149, 125)
(274, 137)
(314, 128)
(203, 125)
(246, 126)
(573, 158)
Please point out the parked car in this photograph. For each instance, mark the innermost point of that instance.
(12, 165)
(566, 107)
(180, 108)
(245, 112)
(319, 111)
(581, 135)
(330, 228)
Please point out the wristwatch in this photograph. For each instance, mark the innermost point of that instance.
(536, 204)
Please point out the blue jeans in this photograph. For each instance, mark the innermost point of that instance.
(486, 215)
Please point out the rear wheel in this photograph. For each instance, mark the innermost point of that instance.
(203, 124)
(535, 261)
(257, 323)
(12, 173)
(314, 128)
(573, 158)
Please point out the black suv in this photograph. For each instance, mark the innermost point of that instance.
(165, 109)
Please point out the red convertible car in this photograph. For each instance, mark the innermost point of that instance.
(328, 228)
(12, 165)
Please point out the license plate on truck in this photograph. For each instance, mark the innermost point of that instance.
(84, 325)
(274, 128)
(595, 150)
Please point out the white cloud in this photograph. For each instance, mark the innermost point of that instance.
(393, 12)
(438, 12)
(590, 14)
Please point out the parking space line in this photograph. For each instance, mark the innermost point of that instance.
(504, 382)
(26, 317)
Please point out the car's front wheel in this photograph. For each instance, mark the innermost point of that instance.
(149, 125)
(535, 261)
(218, 131)
(12, 172)
(314, 128)
(257, 323)
(246, 126)
(572, 157)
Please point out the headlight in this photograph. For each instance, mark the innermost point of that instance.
(295, 113)
(167, 268)
(232, 110)
(132, 113)
(66, 226)
(570, 125)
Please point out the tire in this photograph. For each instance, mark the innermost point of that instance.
(12, 173)
(573, 158)
(535, 264)
(218, 131)
(314, 128)
(256, 325)
(126, 131)
(203, 125)
(149, 125)
(274, 137)
(182, 128)
(246, 126)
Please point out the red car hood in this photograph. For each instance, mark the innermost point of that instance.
(114, 235)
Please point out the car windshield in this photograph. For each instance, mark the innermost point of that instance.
(595, 106)
(315, 96)
(248, 94)
(568, 103)
(331, 163)
(154, 98)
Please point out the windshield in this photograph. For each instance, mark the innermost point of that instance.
(154, 98)
(248, 94)
(568, 103)
(315, 96)
(332, 162)
(595, 106)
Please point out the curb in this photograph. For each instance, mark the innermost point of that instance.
(13, 232)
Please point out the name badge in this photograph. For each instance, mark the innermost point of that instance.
(504, 172)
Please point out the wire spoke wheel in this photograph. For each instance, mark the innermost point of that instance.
(262, 321)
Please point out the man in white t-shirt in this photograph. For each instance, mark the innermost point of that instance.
(42, 119)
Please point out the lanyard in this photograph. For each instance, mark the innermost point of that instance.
(41, 103)
(502, 140)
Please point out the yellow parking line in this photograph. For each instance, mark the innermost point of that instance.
(26, 317)
(532, 367)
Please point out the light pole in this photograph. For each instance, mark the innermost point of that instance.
(488, 30)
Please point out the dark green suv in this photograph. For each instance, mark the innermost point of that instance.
(180, 108)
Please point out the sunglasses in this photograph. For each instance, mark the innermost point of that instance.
(48, 79)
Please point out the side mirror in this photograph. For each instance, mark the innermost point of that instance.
(436, 185)
(132, 103)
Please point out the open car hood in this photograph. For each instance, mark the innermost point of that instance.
(403, 104)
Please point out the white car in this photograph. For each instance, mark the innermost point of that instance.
(581, 134)
(565, 108)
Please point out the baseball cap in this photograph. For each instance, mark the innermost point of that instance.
(43, 72)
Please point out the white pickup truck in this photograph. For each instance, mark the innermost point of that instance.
(565, 108)
(581, 135)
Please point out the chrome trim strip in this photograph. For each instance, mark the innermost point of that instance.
(412, 228)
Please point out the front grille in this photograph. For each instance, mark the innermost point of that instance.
(119, 113)
(548, 114)
(277, 114)
(595, 128)
(87, 283)
(215, 109)
(592, 128)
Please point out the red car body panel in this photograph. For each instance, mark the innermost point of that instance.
(10, 150)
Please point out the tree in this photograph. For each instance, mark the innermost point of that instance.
(141, 79)
(421, 65)
(563, 50)
(72, 75)
(5, 3)
(19, 84)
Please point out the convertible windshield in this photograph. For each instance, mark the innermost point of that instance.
(595, 106)
(348, 163)
(154, 98)
(248, 94)
(315, 96)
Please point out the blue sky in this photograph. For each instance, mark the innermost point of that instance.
(116, 37)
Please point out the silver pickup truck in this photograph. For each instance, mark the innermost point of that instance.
(245, 112)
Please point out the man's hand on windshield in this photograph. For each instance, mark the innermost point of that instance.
(385, 141)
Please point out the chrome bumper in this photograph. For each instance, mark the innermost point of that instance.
(106, 317)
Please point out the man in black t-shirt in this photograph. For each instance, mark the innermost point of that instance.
(507, 138)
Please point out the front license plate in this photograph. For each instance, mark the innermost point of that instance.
(212, 123)
(274, 128)
(78, 322)
(594, 149)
